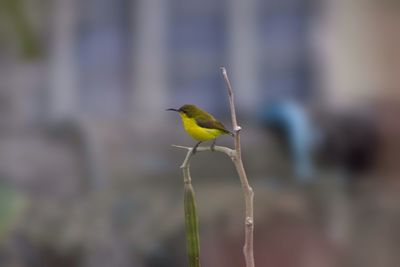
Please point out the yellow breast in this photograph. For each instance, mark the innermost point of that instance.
(197, 132)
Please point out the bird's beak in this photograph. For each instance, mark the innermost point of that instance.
(172, 109)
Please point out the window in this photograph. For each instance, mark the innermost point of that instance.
(103, 44)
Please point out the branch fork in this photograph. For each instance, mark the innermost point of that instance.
(236, 157)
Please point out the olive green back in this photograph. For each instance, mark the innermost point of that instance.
(203, 118)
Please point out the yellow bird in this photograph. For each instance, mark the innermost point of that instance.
(200, 125)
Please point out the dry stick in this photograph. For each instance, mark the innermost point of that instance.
(247, 190)
(236, 157)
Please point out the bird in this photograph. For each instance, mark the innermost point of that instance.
(200, 124)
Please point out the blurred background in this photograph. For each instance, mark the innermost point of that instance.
(88, 176)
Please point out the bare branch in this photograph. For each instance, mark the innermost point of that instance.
(235, 126)
(247, 190)
(236, 157)
(226, 150)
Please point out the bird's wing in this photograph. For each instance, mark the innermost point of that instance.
(212, 124)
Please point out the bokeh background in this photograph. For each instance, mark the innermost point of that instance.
(88, 176)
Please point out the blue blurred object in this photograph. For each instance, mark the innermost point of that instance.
(292, 121)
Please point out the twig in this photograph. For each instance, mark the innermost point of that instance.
(247, 190)
(191, 219)
(185, 165)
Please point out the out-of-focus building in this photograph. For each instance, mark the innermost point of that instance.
(359, 56)
(360, 52)
(165, 53)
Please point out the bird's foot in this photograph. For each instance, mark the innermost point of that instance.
(212, 147)
(195, 148)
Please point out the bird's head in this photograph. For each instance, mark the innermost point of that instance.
(187, 110)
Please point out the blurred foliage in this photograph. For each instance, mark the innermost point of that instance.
(11, 205)
(14, 12)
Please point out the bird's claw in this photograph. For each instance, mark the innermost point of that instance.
(194, 150)
(212, 147)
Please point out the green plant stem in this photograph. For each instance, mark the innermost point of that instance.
(191, 219)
